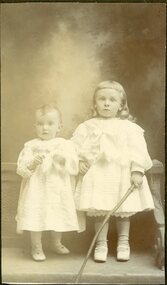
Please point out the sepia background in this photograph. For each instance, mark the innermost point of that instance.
(61, 51)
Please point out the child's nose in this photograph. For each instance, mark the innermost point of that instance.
(106, 103)
(45, 127)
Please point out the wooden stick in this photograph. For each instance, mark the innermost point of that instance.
(130, 190)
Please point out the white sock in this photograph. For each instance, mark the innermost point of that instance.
(56, 237)
(102, 237)
(123, 227)
(36, 239)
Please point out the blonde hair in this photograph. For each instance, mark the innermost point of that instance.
(44, 109)
(124, 112)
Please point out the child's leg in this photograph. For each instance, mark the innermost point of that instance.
(36, 246)
(123, 249)
(101, 249)
(58, 247)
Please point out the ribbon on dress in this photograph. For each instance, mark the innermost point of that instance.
(104, 145)
(55, 161)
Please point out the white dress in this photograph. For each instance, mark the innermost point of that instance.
(46, 196)
(114, 148)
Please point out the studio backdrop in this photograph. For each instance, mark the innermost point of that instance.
(60, 51)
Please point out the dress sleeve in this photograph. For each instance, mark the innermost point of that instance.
(79, 137)
(72, 161)
(23, 162)
(140, 159)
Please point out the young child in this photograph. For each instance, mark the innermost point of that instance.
(46, 203)
(113, 156)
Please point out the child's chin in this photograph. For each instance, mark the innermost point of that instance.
(108, 116)
(45, 137)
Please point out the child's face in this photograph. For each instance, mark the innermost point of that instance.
(47, 125)
(108, 102)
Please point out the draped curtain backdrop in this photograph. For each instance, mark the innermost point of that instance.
(61, 51)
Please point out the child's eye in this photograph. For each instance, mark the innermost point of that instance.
(112, 99)
(39, 124)
(50, 123)
(102, 98)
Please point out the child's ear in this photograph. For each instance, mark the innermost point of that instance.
(60, 127)
(120, 107)
(94, 112)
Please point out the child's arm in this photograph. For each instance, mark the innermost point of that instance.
(72, 160)
(23, 163)
(140, 158)
(38, 159)
(27, 163)
(78, 139)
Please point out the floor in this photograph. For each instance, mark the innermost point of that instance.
(18, 267)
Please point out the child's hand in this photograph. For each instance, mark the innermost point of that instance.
(38, 159)
(83, 167)
(137, 178)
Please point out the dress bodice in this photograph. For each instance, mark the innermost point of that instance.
(111, 139)
(55, 152)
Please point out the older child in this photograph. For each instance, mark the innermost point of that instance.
(46, 199)
(113, 155)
